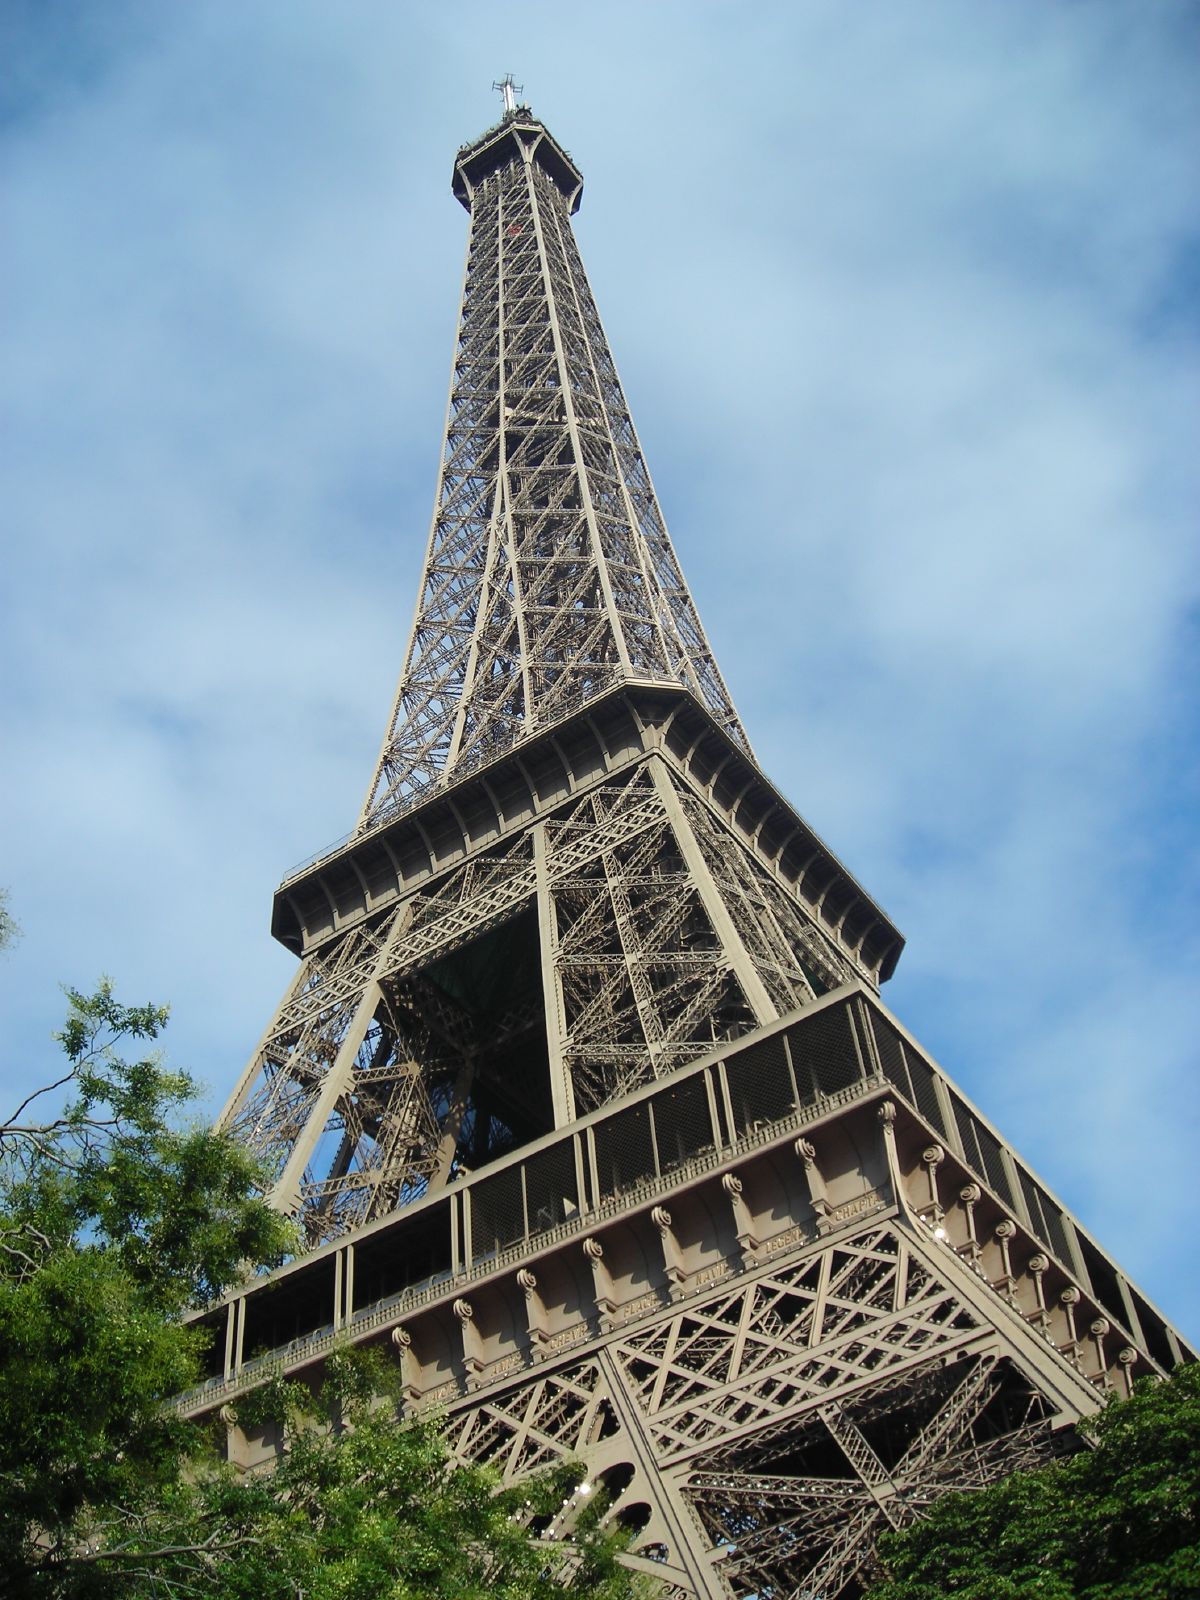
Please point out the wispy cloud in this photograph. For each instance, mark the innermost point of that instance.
(906, 302)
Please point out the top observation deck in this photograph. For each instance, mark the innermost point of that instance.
(517, 137)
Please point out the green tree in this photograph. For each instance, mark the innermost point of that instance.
(112, 1222)
(360, 1505)
(1118, 1521)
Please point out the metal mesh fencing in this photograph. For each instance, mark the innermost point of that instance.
(891, 1057)
(551, 1191)
(624, 1150)
(682, 1122)
(993, 1162)
(294, 1309)
(1104, 1281)
(1048, 1223)
(824, 1056)
(497, 1213)
(924, 1090)
(1154, 1330)
(965, 1127)
(385, 1264)
(909, 1072)
(760, 1085)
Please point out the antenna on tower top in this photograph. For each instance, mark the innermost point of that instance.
(510, 91)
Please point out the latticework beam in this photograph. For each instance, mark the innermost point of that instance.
(549, 575)
(582, 1091)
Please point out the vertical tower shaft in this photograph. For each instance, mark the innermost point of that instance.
(569, 877)
(549, 575)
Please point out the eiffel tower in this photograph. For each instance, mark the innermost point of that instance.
(583, 1091)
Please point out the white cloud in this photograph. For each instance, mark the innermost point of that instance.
(901, 299)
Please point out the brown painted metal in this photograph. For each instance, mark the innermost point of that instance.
(583, 1091)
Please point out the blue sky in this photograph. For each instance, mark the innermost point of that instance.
(905, 301)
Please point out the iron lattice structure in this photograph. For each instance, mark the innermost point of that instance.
(582, 1090)
(549, 575)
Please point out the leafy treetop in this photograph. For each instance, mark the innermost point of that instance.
(1118, 1521)
(113, 1220)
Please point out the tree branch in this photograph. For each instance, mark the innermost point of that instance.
(214, 1544)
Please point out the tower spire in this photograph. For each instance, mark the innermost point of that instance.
(549, 576)
(509, 91)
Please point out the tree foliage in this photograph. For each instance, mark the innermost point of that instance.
(113, 1220)
(359, 1505)
(1118, 1521)
(10, 932)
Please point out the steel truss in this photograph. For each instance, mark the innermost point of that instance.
(549, 574)
(570, 880)
(653, 935)
(758, 1438)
